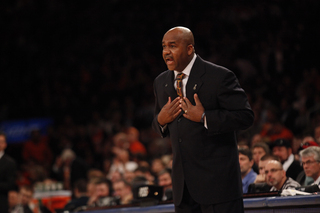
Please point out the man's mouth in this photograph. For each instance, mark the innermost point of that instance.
(169, 60)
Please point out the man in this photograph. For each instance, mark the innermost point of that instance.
(80, 196)
(102, 194)
(25, 202)
(122, 190)
(261, 178)
(310, 159)
(248, 176)
(276, 177)
(201, 123)
(136, 148)
(165, 180)
(258, 150)
(7, 174)
(282, 149)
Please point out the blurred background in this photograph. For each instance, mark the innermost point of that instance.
(77, 73)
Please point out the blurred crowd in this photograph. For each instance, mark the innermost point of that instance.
(90, 66)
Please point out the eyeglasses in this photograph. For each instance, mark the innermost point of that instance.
(271, 171)
(309, 162)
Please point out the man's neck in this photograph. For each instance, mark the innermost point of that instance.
(243, 175)
(279, 185)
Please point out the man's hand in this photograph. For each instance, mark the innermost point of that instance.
(169, 111)
(192, 112)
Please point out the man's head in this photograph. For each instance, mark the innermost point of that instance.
(178, 48)
(245, 161)
(264, 160)
(3, 141)
(103, 188)
(13, 198)
(310, 159)
(282, 149)
(80, 188)
(258, 150)
(132, 134)
(275, 175)
(164, 179)
(25, 194)
(122, 188)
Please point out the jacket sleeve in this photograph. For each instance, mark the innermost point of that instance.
(234, 112)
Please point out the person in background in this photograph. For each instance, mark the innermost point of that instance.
(276, 177)
(247, 174)
(165, 180)
(135, 146)
(261, 178)
(7, 174)
(80, 196)
(310, 160)
(282, 149)
(258, 150)
(13, 198)
(103, 194)
(122, 190)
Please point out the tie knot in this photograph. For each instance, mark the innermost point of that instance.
(180, 76)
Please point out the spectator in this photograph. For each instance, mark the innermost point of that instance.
(69, 168)
(283, 150)
(145, 172)
(37, 150)
(276, 177)
(103, 194)
(135, 147)
(258, 150)
(80, 196)
(317, 134)
(165, 180)
(7, 174)
(247, 174)
(261, 178)
(25, 202)
(13, 198)
(310, 159)
(122, 190)
(157, 165)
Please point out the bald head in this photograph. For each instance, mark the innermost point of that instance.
(178, 48)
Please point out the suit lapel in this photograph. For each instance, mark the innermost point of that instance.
(194, 82)
(168, 85)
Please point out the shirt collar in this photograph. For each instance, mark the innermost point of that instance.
(1, 154)
(288, 162)
(187, 70)
(317, 182)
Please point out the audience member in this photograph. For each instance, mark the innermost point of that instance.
(317, 134)
(122, 190)
(165, 180)
(136, 147)
(37, 150)
(25, 202)
(310, 160)
(80, 196)
(103, 194)
(247, 174)
(261, 178)
(7, 174)
(258, 150)
(276, 177)
(145, 172)
(13, 198)
(157, 166)
(283, 150)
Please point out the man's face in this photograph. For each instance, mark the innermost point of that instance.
(120, 189)
(165, 181)
(262, 165)
(25, 196)
(281, 152)
(311, 167)
(245, 163)
(274, 174)
(102, 190)
(3, 143)
(175, 50)
(257, 153)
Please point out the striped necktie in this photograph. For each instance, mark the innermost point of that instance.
(179, 84)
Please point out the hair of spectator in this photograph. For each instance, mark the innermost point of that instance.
(312, 151)
(247, 152)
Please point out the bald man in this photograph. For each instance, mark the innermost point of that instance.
(200, 111)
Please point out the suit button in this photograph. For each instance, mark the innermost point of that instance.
(180, 140)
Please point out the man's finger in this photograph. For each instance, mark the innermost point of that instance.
(187, 101)
(196, 99)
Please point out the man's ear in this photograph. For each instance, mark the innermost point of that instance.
(190, 49)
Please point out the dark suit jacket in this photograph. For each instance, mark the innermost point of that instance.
(206, 160)
(294, 170)
(7, 180)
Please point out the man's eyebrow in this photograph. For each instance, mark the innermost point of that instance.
(170, 42)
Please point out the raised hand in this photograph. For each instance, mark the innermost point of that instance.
(169, 111)
(192, 112)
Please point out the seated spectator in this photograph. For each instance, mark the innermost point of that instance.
(165, 180)
(13, 199)
(102, 195)
(80, 196)
(261, 178)
(310, 159)
(135, 146)
(145, 172)
(258, 150)
(247, 174)
(25, 202)
(276, 177)
(123, 192)
(283, 150)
